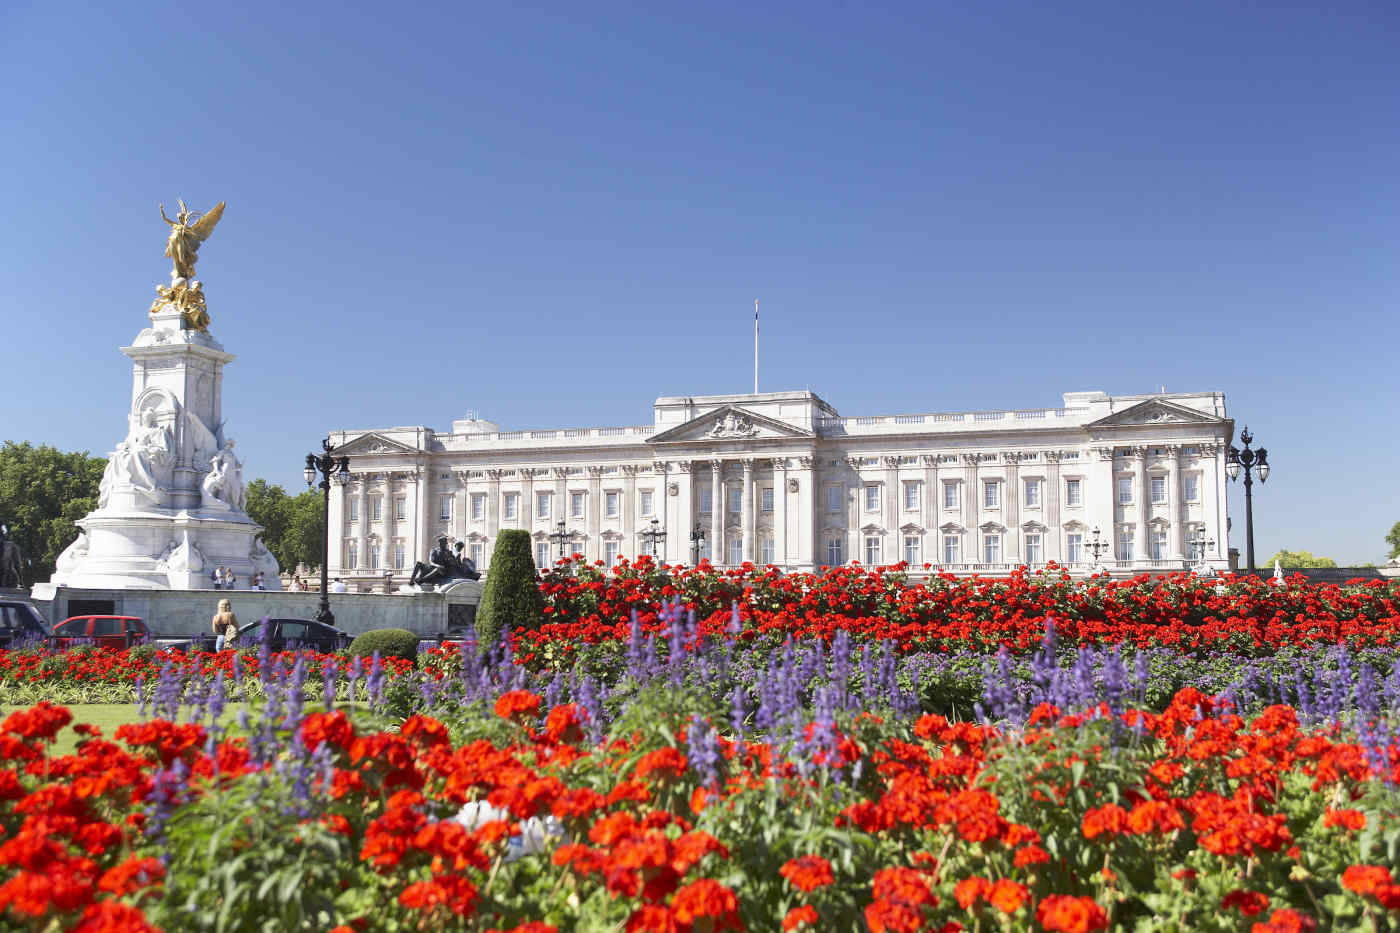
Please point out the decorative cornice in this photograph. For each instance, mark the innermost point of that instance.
(806, 463)
(1053, 456)
(683, 465)
(778, 463)
(855, 463)
(631, 469)
(660, 466)
(595, 471)
(893, 463)
(1104, 453)
(931, 460)
(560, 472)
(495, 475)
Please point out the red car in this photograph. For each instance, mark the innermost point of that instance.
(104, 631)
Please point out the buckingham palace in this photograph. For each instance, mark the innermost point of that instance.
(782, 478)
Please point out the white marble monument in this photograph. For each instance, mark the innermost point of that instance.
(171, 504)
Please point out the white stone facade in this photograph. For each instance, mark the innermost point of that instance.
(781, 478)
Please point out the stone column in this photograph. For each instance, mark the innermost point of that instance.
(1052, 541)
(807, 553)
(719, 555)
(748, 515)
(527, 506)
(1141, 548)
(855, 508)
(363, 532)
(1176, 512)
(972, 498)
(1213, 477)
(559, 510)
(493, 513)
(594, 511)
(679, 534)
(932, 502)
(780, 512)
(422, 524)
(335, 550)
(461, 514)
(1012, 552)
(661, 507)
(893, 506)
(631, 543)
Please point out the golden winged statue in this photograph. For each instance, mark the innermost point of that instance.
(187, 231)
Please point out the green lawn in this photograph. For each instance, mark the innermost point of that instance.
(107, 717)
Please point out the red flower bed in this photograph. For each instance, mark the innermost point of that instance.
(587, 605)
(1199, 816)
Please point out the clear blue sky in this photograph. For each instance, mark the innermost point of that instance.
(553, 215)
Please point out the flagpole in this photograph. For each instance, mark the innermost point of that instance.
(755, 346)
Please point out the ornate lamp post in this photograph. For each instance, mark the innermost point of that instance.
(1249, 460)
(654, 536)
(331, 469)
(697, 540)
(561, 537)
(1096, 545)
(1201, 547)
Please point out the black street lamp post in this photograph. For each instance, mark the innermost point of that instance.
(331, 469)
(654, 536)
(1096, 545)
(697, 540)
(1250, 461)
(561, 538)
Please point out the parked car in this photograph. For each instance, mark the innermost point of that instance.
(287, 635)
(20, 622)
(104, 631)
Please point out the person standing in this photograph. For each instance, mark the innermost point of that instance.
(217, 575)
(225, 625)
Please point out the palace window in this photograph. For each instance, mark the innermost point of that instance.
(576, 503)
(911, 496)
(1193, 487)
(1125, 490)
(991, 548)
(1074, 492)
(911, 550)
(478, 505)
(609, 553)
(872, 498)
(354, 511)
(766, 500)
(765, 550)
(1035, 554)
(401, 508)
(833, 499)
(399, 555)
(374, 556)
(376, 508)
(707, 499)
(950, 494)
(1125, 544)
(444, 508)
(512, 505)
(873, 557)
(1032, 493)
(612, 503)
(834, 557)
(542, 554)
(352, 555)
(476, 553)
(1074, 547)
(991, 494)
(1159, 489)
(648, 505)
(736, 551)
(542, 504)
(736, 499)
(1159, 544)
(952, 549)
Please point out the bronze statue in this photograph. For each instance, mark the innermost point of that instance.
(11, 560)
(187, 231)
(443, 566)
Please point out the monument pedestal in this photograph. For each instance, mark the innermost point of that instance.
(171, 508)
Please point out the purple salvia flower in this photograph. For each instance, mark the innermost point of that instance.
(328, 672)
(702, 751)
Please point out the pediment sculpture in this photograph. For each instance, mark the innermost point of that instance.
(733, 424)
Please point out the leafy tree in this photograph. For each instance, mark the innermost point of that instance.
(511, 598)
(1393, 539)
(1296, 560)
(291, 524)
(43, 491)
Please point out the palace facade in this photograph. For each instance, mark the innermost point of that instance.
(781, 478)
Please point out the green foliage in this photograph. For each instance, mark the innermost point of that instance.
(389, 642)
(511, 598)
(43, 491)
(1393, 539)
(1299, 559)
(292, 525)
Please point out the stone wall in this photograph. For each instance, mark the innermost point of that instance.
(187, 612)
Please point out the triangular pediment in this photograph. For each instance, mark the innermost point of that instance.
(1155, 411)
(373, 444)
(729, 423)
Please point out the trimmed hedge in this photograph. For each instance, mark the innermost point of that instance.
(511, 598)
(389, 642)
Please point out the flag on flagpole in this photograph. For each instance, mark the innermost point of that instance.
(755, 346)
